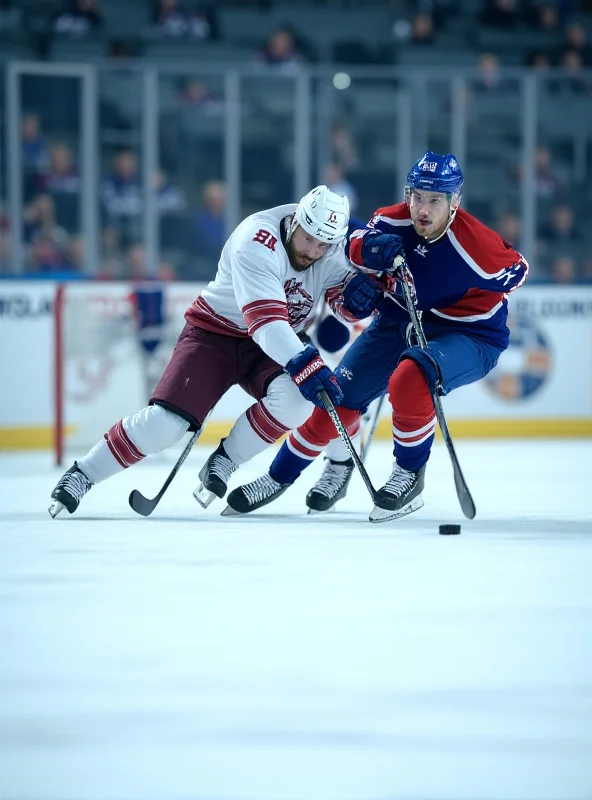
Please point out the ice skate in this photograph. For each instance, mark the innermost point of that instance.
(70, 490)
(331, 486)
(214, 477)
(400, 495)
(254, 495)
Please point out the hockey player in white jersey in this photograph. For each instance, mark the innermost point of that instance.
(243, 330)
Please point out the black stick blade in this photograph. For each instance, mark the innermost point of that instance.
(467, 503)
(142, 505)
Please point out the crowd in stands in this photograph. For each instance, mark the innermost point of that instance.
(190, 192)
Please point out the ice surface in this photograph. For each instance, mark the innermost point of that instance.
(280, 656)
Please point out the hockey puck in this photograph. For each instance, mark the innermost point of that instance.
(449, 530)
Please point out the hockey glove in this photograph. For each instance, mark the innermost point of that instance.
(361, 295)
(310, 374)
(379, 250)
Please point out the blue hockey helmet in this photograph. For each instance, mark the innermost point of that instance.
(436, 173)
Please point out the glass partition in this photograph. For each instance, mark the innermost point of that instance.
(143, 170)
(562, 166)
(45, 166)
(120, 190)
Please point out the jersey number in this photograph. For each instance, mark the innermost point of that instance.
(264, 237)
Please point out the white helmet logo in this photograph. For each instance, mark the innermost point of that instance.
(324, 215)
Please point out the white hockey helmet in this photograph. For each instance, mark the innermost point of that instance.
(323, 214)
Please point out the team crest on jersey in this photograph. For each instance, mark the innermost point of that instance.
(421, 250)
(299, 301)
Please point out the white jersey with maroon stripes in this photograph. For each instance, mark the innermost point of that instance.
(257, 293)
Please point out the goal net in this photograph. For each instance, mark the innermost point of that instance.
(106, 362)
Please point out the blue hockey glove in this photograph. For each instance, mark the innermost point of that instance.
(379, 250)
(310, 374)
(361, 295)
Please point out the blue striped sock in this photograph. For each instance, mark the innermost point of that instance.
(287, 466)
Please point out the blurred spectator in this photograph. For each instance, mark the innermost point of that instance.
(491, 80)
(40, 222)
(441, 11)
(122, 48)
(46, 256)
(280, 52)
(170, 199)
(546, 18)
(563, 270)
(335, 180)
(547, 182)
(504, 14)
(343, 149)
(576, 39)
(508, 227)
(173, 20)
(210, 224)
(61, 176)
(121, 197)
(170, 19)
(197, 95)
(78, 19)
(575, 83)
(75, 253)
(539, 60)
(35, 153)
(561, 228)
(136, 266)
(422, 29)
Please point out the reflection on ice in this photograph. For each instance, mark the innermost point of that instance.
(276, 656)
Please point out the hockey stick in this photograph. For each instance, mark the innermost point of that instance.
(462, 490)
(368, 441)
(144, 505)
(339, 426)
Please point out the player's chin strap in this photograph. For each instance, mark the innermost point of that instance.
(408, 286)
(291, 227)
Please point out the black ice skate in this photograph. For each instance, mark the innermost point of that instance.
(214, 476)
(331, 486)
(254, 495)
(400, 495)
(70, 490)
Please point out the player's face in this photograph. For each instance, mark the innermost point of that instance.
(430, 212)
(303, 250)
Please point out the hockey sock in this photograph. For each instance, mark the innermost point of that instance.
(148, 431)
(307, 442)
(287, 465)
(253, 431)
(414, 419)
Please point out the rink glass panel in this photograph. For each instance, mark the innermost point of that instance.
(45, 165)
(359, 139)
(121, 173)
(268, 103)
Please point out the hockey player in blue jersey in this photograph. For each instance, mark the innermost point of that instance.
(462, 271)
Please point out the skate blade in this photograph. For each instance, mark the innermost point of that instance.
(55, 508)
(384, 515)
(203, 496)
(230, 512)
(317, 511)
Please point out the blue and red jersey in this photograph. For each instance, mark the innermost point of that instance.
(461, 280)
